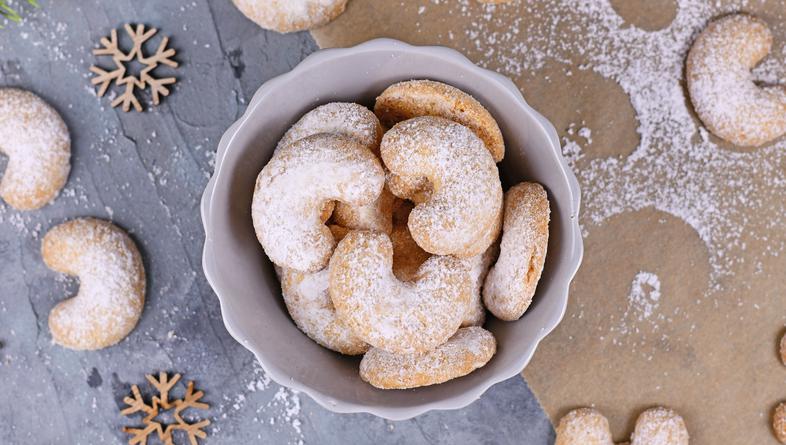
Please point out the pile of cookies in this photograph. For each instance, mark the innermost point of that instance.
(392, 236)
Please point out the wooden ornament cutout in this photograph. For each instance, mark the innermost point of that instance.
(190, 400)
(111, 47)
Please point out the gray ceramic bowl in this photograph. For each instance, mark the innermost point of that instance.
(243, 277)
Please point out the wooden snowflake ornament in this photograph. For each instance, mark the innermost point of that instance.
(121, 77)
(190, 400)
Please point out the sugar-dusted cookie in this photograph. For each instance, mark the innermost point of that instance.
(461, 212)
(511, 283)
(308, 301)
(656, 426)
(469, 349)
(111, 283)
(413, 98)
(396, 316)
(723, 92)
(38, 146)
(291, 15)
(291, 191)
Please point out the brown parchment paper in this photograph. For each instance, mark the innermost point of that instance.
(709, 348)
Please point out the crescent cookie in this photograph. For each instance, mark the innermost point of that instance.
(511, 283)
(291, 15)
(292, 189)
(467, 350)
(396, 316)
(405, 100)
(38, 146)
(726, 98)
(343, 118)
(464, 207)
(357, 122)
(408, 257)
(111, 276)
(308, 301)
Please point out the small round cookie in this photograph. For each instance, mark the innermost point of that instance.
(466, 200)
(511, 283)
(583, 426)
(291, 15)
(308, 301)
(377, 216)
(658, 426)
(399, 317)
(38, 146)
(292, 189)
(414, 98)
(723, 92)
(111, 283)
(467, 350)
(344, 118)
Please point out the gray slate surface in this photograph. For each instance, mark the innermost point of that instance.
(146, 172)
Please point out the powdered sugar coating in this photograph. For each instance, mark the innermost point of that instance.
(722, 88)
(660, 426)
(38, 146)
(111, 283)
(343, 118)
(583, 426)
(291, 15)
(656, 426)
(291, 191)
(466, 200)
(469, 349)
(511, 283)
(413, 98)
(399, 317)
(308, 301)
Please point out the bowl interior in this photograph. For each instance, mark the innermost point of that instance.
(244, 278)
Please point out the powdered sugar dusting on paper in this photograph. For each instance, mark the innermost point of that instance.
(676, 168)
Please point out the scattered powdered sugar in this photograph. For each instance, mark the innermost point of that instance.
(281, 413)
(644, 297)
(677, 167)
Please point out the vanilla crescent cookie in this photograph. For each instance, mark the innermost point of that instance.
(292, 189)
(413, 98)
(396, 316)
(511, 282)
(722, 89)
(38, 146)
(308, 301)
(656, 426)
(478, 267)
(111, 276)
(344, 118)
(357, 122)
(291, 15)
(462, 211)
(469, 349)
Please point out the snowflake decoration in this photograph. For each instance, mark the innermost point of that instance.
(120, 76)
(163, 385)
